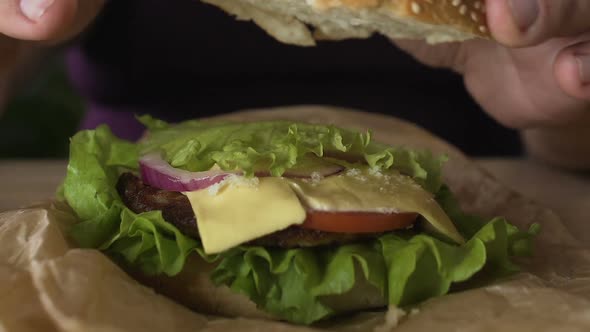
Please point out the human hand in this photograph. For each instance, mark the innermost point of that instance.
(537, 74)
(25, 24)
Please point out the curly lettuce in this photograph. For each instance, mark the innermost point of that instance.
(276, 146)
(406, 268)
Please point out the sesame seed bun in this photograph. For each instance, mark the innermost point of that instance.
(303, 22)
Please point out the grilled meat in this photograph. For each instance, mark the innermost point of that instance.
(176, 209)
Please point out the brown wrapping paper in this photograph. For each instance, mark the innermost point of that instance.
(46, 284)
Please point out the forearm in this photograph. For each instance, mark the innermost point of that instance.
(566, 146)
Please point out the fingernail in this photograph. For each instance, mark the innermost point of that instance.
(584, 67)
(524, 12)
(34, 9)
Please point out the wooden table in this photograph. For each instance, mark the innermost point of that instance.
(26, 182)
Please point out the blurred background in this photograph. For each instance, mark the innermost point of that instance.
(46, 111)
(42, 114)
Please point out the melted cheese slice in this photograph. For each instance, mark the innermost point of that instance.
(239, 212)
(236, 212)
(368, 191)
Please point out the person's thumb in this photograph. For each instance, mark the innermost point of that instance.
(46, 20)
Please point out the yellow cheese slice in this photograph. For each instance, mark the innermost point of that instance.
(364, 190)
(235, 213)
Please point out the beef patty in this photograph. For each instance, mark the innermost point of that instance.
(176, 209)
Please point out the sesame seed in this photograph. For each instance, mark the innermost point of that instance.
(477, 5)
(474, 17)
(416, 9)
(456, 3)
(483, 29)
(463, 10)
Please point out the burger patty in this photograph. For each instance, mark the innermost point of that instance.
(176, 209)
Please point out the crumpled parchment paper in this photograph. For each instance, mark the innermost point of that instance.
(47, 284)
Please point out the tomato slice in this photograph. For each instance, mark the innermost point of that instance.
(357, 222)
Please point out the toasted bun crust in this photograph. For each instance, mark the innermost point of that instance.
(289, 21)
(193, 288)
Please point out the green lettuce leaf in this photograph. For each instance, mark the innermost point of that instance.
(290, 283)
(276, 146)
(405, 269)
(97, 158)
(89, 187)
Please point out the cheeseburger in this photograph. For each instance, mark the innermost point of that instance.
(305, 221)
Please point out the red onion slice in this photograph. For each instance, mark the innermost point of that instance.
(156, 172)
